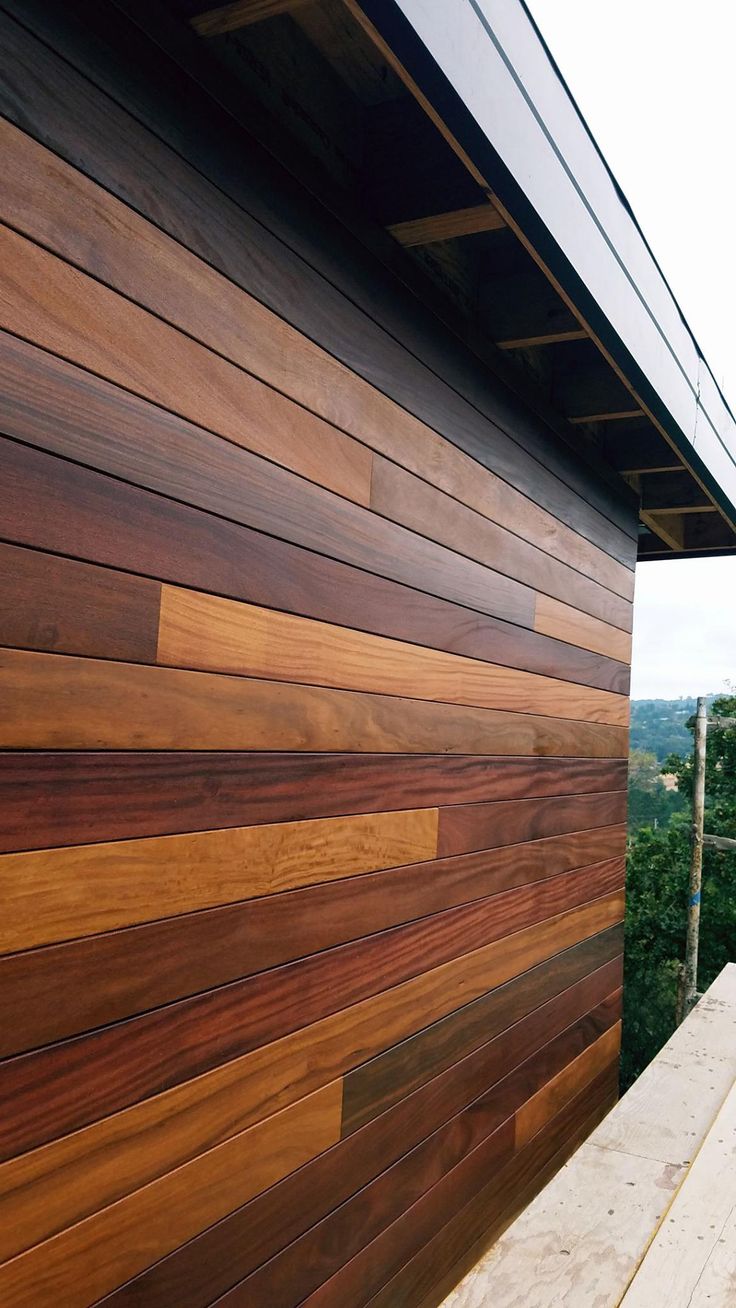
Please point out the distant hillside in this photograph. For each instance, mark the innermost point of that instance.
(658, 725)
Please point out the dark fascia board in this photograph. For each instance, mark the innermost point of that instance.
(488, 75)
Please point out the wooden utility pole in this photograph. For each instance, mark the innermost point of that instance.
(689, 980)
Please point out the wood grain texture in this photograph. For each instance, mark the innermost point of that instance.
(72, 798)
(380, 1260)
(150, 1223)
(56, 505)
(565, 623)
(207, 632)
(61, 209)
(57, 307)
(55, 894)
(52, 603)
(165, 1047)
(121, 1153)
(398, 1071)
(307, 1263)
(270, 497)
(235, 1247)
(114, 975)
(483, 826)
(420, 1282)
(55, 701)
(453, 393)
(538, 1108)
(423, 507)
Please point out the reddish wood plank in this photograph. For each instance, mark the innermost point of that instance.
(166, 453)
(53, 798)
(327, 1247)
(111, 976)
(482, 826)
(55, 505)
(48, 1093)
(52, 603)
(235, 1247)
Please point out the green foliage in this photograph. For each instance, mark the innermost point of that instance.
(660, 725)
(657, 891)
(651, 804)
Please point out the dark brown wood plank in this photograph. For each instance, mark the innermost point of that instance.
(55, 505)
(231, 1250)
(52, 603)
(46, 97)
(64, 211)
(383, 1080)
(483, 826)
(48, 1093)
(165, 452)
(78, 797)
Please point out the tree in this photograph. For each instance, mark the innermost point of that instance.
(650, 802)
(656, 911)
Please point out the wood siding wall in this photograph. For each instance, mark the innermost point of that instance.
(313, 725)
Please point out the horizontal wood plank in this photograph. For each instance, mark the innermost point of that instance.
(235, 1247)
(481, 826)
(300, 271)
(123, 1152)
(566, 623)
(329, 1246)
(58, 506)
(76, 797)
(168, 1046)
(113, 975)
(207, 632)
(54, 305)
(55, 701)
(63, 210)
(150, 1223)
(424, 508)
(74, 891)
(385, 1079)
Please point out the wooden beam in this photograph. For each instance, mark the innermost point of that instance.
(447, 226)
(670, 528)
(607, 417)
(240, 13)
(549, 338)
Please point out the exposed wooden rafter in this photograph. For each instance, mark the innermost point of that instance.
(548, 338)
(447, 226)
(240, 13)
(607, 417)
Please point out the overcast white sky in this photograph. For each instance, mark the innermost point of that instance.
(655, 80)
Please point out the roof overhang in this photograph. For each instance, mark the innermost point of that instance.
(490, 84)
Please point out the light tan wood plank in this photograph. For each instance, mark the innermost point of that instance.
(219, 635)
(65, 1181)
(56, 894)
(55, 701)
(556, 1093)
(135, 1232)
(62, 209)
(565, 623)
(447, 226)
